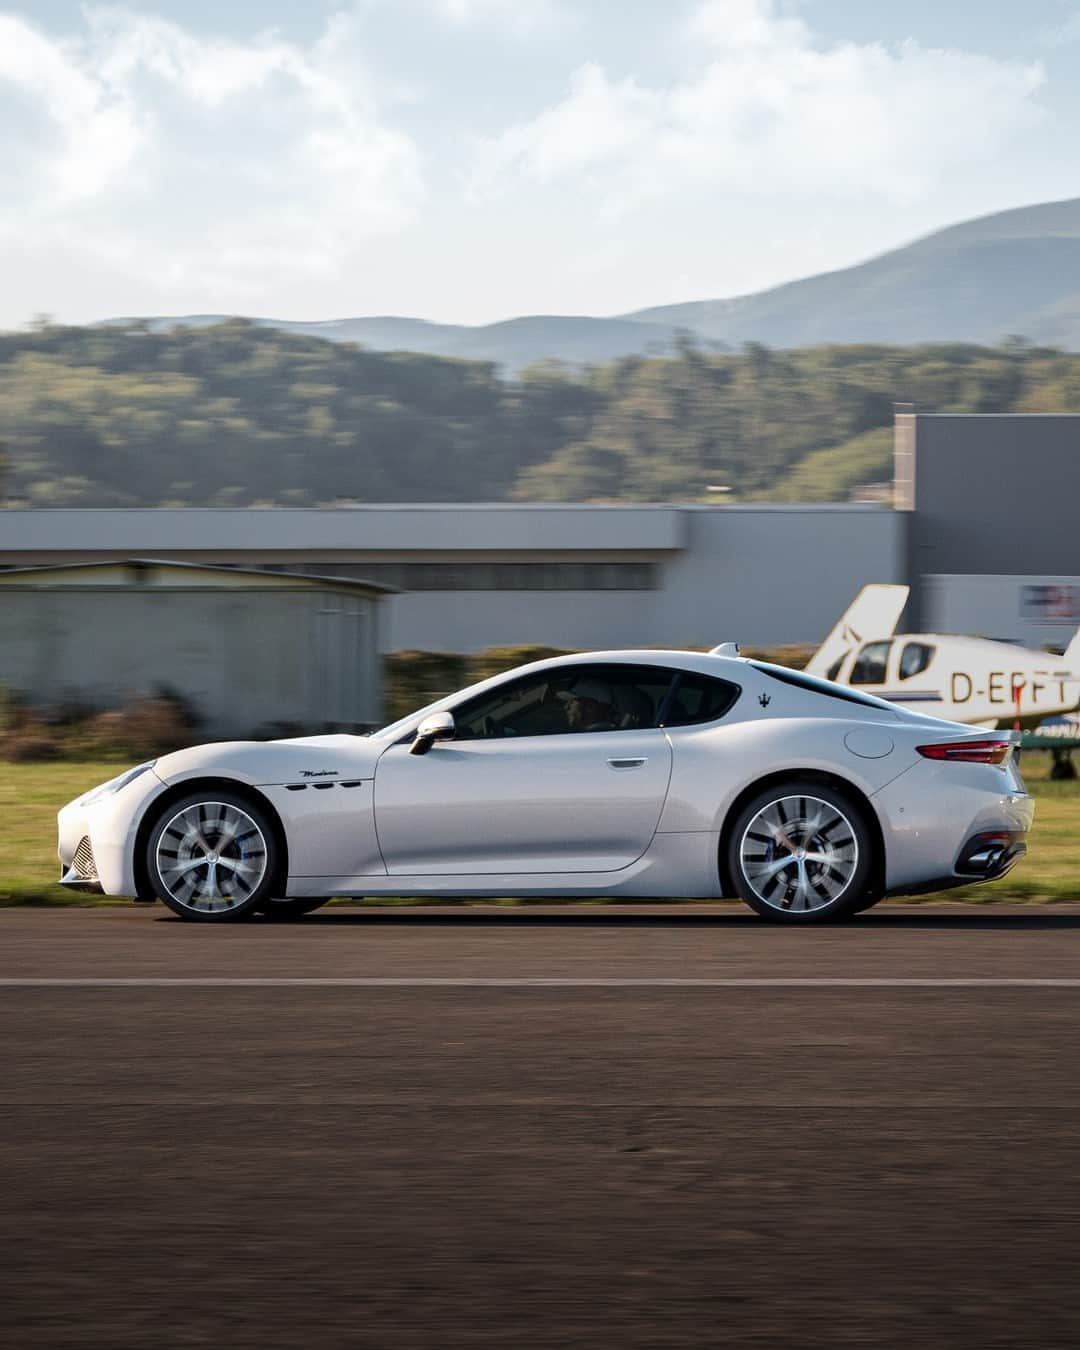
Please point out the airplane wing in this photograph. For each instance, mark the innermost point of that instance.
(1053, 733)
(874, 613)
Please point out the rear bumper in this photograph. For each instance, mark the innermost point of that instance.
(984, 865)
(989, 855)
(952, 825)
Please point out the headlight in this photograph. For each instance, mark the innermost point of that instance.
(114, 784)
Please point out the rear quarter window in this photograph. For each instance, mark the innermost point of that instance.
(698, 698)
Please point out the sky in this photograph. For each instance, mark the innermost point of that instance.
(471, 160)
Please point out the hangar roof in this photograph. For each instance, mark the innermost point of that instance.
(449, 527)
(446, 525)
(163, 573)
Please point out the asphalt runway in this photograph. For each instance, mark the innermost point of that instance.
(594, 1127)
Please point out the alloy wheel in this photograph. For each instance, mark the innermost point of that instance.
(211, 856)
(799, 853)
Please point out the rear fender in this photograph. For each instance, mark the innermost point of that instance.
(714, 767)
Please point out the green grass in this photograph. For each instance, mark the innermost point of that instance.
(31, 794)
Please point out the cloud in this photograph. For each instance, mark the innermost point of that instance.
(520, 16)
(181, 158)
(745, 24)
(766, 109)
(96, 129)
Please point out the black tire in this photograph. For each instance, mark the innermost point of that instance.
(831, 860)
(222, 827)
(292, 907)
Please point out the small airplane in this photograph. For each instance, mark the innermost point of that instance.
(975, 680)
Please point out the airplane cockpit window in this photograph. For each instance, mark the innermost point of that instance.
(871, 664)
(914, 659)
(834, 669)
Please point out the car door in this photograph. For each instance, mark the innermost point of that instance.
(521, 790)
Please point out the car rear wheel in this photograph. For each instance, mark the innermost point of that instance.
(801, 852)
(213, 857)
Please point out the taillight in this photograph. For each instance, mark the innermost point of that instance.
(970, 752)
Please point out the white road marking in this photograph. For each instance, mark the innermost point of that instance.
(529, 982)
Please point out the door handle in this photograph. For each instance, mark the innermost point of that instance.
(628, 763)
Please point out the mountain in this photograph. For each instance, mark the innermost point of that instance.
(1014, 272)
(514, 343)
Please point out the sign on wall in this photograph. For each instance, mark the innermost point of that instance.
(1050, 603)
(1030, 610)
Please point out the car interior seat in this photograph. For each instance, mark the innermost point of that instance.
(634, 708)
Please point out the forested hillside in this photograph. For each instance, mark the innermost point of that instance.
(235, 414)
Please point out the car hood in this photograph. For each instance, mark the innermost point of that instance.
(300, 760)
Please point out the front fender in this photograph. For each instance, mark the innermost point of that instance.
(268, 763)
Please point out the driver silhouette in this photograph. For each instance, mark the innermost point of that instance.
(589, 706)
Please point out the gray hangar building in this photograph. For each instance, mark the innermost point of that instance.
(270, 615)
(248, 649)
(475, 576)
(989, 506)
(293, 606)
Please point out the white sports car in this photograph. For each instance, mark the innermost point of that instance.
(643, 773)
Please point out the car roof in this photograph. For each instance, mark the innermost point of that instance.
(682, 659)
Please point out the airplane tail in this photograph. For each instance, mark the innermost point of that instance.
(874, 613)
(1071, 660)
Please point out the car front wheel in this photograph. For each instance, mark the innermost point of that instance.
(801, 852)
(213, 857)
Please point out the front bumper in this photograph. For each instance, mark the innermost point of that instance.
(96, 842)
(81, 873)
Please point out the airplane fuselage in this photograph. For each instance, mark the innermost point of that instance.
(972, 680)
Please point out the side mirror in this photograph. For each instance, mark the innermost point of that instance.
(438, 727)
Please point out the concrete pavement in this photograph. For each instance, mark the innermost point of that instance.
(608, 1159)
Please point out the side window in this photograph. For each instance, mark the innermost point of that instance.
(567, 699)
(519, 708)
(914, 659)
(698, 698)
(871, 664)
